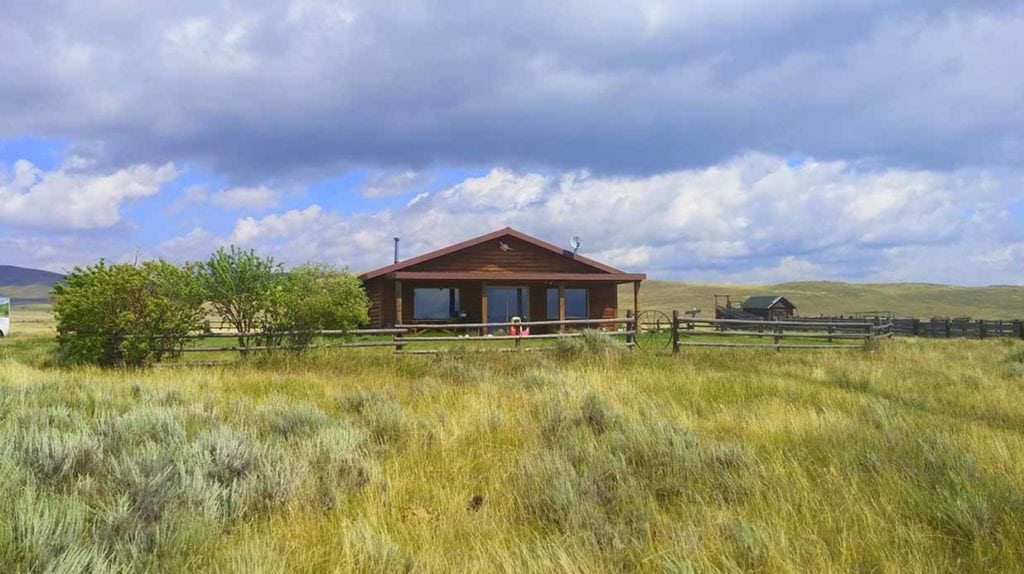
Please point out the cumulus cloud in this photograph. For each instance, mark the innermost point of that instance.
(247, 199)
(305, 88)
(754, 218)
(391, 184)
(33, 198)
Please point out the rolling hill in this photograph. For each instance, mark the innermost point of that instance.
(814, 298)
(26, 285)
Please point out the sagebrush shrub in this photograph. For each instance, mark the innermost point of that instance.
(338, 463)
(1015, 354)
(590, 342)
(602, 475)
(140, 425)
(382, 416)
(54, 456)
(226, 455)
(364, 549)
(150, 477)
(749, 550)
(290, 420)
(46, 528)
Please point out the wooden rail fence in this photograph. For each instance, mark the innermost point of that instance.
(778, 335)
(940, 328)
(417, 339)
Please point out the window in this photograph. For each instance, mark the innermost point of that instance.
(503, 303)
(576, 304)
(435, 303)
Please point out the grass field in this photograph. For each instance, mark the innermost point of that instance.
(834, 298)
(903, 458)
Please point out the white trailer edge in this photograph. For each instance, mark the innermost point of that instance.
(5, 316)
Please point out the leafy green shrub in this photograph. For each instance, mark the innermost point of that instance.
(317, 297)
(240, 285)
(125, 314)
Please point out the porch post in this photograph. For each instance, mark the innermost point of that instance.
(561, 305)
(636, 306)
(483, 306)
(398, 302)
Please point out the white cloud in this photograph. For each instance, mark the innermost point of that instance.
(31, 197)
(754, 218)
(391, 184)
(245, 198)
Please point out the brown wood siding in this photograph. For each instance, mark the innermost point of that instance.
(603, 300)
(372, 288)
(489, 257)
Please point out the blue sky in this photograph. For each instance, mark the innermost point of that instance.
(739, 142)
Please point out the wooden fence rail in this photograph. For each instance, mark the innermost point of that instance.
(694, 332)
(420, 338)
(441, 336)
(942, 328)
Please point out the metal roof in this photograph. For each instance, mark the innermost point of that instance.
(765, 302)
(605, 270)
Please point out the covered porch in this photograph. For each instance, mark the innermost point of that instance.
(442, 298)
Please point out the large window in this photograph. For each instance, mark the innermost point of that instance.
(503, 303)
(576, 304)
(435, 303)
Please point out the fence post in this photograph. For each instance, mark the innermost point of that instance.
(831, 329)
(778, 337)
(981, 328)
(675, 332)
(399, 345)
(629, 315)
(949, 332)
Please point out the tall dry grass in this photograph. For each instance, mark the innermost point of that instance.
(905, 458)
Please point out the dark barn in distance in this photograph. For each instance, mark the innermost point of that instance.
(769, 307)
(492, 278)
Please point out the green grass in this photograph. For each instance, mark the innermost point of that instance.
(903, 458)
(36, 291)
(834, 298)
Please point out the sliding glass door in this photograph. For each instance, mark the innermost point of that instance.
(503, 303)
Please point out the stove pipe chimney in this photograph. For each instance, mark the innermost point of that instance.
(396, 249)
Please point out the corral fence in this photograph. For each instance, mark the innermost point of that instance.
(778, 335)
(941, 327)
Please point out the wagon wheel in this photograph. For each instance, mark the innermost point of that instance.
(655, 332)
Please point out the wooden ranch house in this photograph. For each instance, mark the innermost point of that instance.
(492, 278)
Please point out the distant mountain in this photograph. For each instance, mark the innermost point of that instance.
(27, 285)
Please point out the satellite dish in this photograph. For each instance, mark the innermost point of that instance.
(575, 243)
